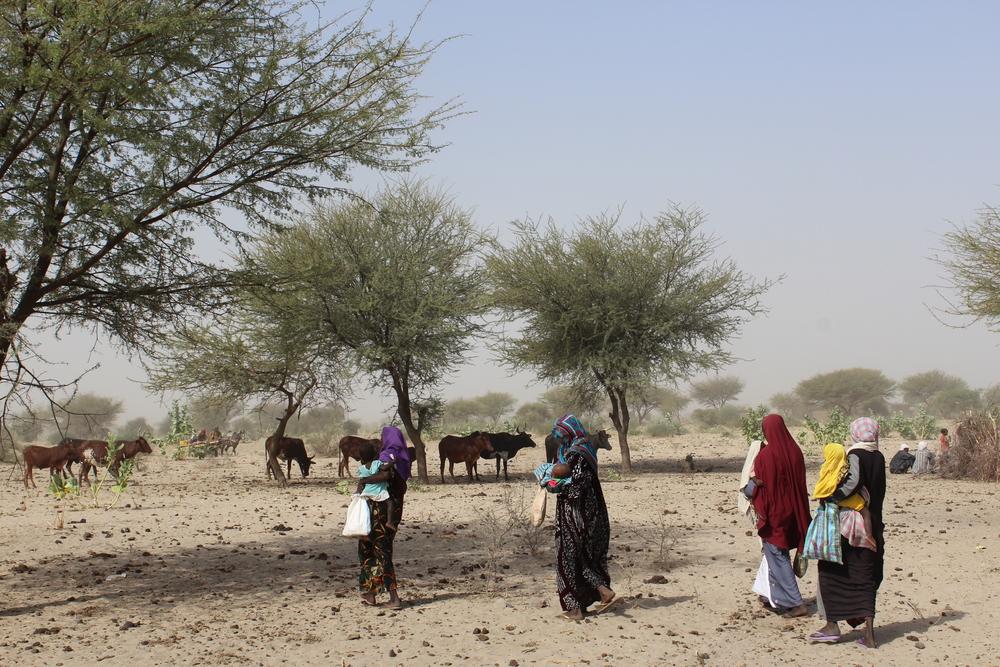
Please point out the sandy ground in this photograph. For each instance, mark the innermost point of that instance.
(209, 579)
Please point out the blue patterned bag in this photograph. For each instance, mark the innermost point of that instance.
(823, 536)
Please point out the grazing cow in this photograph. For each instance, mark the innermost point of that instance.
(288, 449)
(94, 453)
(505, 447)
(464, 449)
(552, 446)
(350, 448)
(54, 458)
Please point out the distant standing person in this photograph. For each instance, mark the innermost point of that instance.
(847, 590)
(780, 500)
(583, 530)
(902, 460)
(944, 443)
(923, 462)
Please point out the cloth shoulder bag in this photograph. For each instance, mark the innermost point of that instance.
(538, 507)
(823, 536)
(359, 518)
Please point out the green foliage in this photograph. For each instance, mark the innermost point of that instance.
(535, 417)
(664, 427)
(61, 487)
(716, 392)
(954, 401)
(618, 307)
(847, 390)
(990, 397)
(920, 388)
(790, 406)
(924, 425)
(920, 425)
(140, 120)
(86, 415)
(752, 423)
(727, 415)
(837, 428)
(133, 428)
(483, 412)
(351, 427)
(972, 264)
(648, 399)
(395, 281)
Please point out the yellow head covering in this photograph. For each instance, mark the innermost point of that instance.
(833, 470)
(830, 475)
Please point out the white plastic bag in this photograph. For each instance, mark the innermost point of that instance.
(359, 519)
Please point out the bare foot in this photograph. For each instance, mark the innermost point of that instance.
(575, 615)
(368, 599)
(796, 612)
(868, 637)
(607, 595)
(391, 527)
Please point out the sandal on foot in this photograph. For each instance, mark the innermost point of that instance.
(823, 638)
(605, 606)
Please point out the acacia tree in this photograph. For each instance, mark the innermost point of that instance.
(847, 390)
(972, 265)
(396, 282)
(260, 350)
(620, 308)
(716, 392)
(921, 388)
(667, 400)
(127, 127)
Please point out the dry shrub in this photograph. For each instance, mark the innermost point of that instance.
(975, 454)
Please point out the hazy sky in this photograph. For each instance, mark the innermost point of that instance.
(830, 143)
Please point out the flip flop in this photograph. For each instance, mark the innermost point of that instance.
(821, 638)
(606, 605)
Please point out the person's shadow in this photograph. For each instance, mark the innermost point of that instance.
(890, 632)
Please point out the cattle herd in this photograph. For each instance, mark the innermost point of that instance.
(452, 449)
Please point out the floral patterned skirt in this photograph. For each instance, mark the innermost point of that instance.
(378, 574)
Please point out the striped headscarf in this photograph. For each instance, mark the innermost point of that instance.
(573, 438)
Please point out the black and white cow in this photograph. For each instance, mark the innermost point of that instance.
(506, 446)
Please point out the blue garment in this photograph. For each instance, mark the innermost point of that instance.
(543, 474)
(377, 491)
(784, 589)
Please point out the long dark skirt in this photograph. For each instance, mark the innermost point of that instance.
(583, 535)
(378, 574)
(848, 589)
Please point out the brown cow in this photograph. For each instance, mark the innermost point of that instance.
(287, 449)
(467, 449)
(54, 458)
(94, 453)
(350, 448)
(602, 440)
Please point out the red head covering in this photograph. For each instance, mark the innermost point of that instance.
(781, 500)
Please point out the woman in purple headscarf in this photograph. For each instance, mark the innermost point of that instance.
(378, 574)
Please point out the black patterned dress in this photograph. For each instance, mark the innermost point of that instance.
(583, 534)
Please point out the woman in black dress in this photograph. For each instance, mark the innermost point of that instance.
(847, 590)
(583, 530)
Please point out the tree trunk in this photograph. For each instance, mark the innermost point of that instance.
(620, 418)
(271, 452)
(405, 412)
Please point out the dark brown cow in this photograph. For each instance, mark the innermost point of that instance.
(54, 458)
(350, 448)
(94, 453)
(287, 449)
(464, 449)
(552, 447)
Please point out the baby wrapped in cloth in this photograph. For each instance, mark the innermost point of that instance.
(855, 519)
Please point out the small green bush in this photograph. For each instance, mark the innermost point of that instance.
(664, 428)
(727, 415)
